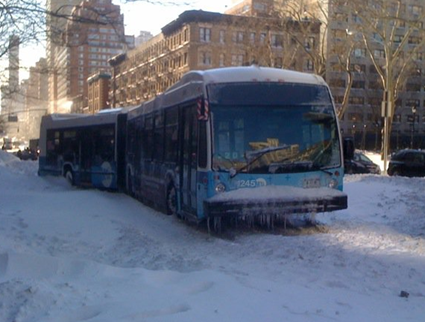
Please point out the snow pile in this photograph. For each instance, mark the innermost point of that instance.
(69, 255)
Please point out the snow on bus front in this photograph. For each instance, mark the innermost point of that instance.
(274, 200)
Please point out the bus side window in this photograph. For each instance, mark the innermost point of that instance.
(171, 134)
(70, 146)
(104, 149)
(52, 147)
(148, 138)
(158, 148)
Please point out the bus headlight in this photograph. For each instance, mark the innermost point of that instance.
(333, 184)
(219, 188)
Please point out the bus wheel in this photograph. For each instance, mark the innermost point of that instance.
(69, 176)
(171, 200)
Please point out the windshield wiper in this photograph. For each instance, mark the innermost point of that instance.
(322, 168)
(257, 155)
(290, 166)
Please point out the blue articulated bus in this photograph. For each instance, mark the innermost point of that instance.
(88, 150)
(242, 142)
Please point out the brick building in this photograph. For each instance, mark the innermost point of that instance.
(98, 92)
(95, 34)
(199, 40)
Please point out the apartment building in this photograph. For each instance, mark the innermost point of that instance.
(98, 93)
(342, 27)
(199, 40)
(363, 119)
(95, 34)
(57, 52)
(36, 103)
(80, 43)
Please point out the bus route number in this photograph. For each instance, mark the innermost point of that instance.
(260, 182)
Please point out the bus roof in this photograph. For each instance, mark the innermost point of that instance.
(248, 74)
(194, 83)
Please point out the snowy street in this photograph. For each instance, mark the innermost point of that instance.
(69, 255)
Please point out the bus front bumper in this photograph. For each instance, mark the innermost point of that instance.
(275, 201)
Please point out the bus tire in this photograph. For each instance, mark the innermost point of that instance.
(69, 176)
(171, 201)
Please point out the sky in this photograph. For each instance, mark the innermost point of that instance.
(70, 255)
(148, 17)
(139, 16)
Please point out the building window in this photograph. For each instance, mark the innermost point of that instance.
(309, 43)
(185, 35)
(412, 102)
(360, 52)
(222, 61)
(415, 10)
(414, 40)
(237, 37)
(277, 41)
(222, 36)
(358, 68)
(252, 37)
(237, 60)
(205, 58)
(309, 65)
(357, 19)
(205, 34)
(379, 53)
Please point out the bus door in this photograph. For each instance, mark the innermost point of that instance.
(188, 159)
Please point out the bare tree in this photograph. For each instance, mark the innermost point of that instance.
(323, 53)
(394, 39)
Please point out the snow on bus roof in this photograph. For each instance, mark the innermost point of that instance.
(250, 74)
(63, 116)
(66, 116)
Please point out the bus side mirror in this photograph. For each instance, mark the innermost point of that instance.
(348, 148)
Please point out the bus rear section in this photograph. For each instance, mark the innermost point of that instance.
(85, 149)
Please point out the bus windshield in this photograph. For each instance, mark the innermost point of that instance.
(273, 128)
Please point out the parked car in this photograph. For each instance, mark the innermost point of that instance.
(27, 154)
(409, 163)
(360, 163)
